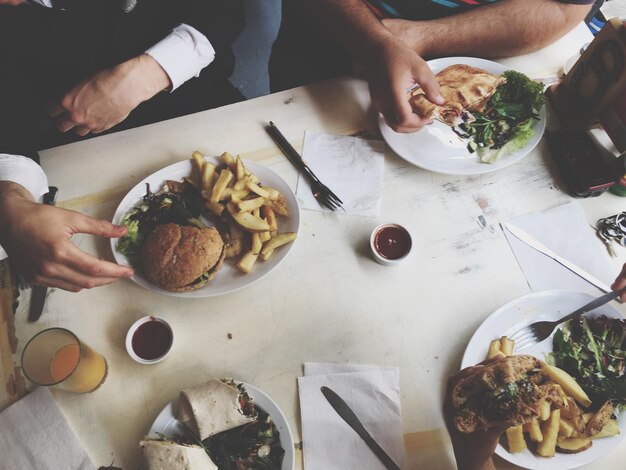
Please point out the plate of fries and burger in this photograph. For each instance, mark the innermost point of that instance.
(206, 226)
(559, 400)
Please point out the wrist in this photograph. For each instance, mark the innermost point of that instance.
(149, 76)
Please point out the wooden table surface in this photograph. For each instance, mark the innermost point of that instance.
(328, 301)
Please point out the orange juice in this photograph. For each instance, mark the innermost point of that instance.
(64, 362)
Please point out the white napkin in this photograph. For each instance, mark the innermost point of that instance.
(565, 230)
(373, 393)
(350, 167)
(34, 434)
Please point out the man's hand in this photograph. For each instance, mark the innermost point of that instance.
(107, 98)
(11, 2)
(393, 70)
(472, 451)
(37, 238)
(620, 282)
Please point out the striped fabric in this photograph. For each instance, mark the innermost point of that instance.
(431, 9)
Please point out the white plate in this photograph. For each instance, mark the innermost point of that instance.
(437, 148)
(229, 278)
(547, 305)
(167, 424)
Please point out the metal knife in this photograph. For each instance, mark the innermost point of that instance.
(541, 248)
(38, 294)
(346, 413)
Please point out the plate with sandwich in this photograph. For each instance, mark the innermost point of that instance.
(220, 425)
(559, 410)
(206, 226)
(492, 118)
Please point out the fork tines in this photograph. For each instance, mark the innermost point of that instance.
(321, 192)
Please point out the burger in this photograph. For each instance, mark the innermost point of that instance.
(180, 258)
(502, 393)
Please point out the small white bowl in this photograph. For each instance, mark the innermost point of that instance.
(133, 329)
(378, 257)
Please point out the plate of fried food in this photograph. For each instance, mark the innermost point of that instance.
(221, 424)
(492, 118)
(206, 226)
(559, 400)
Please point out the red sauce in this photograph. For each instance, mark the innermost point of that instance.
(392, 242)
(151, 340)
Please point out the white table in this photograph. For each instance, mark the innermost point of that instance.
(328, 301)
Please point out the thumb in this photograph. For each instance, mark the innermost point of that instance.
(99, 227)
(428, 82)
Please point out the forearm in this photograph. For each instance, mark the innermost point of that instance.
(509, 27)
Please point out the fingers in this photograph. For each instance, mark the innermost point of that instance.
(428, 82)
(620, 282)
(82, 130)
(93, 267)
(65, 124)
(55, 109)
(99, 227)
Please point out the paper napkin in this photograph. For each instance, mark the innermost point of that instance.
(34, 434)
(565, 230)
(351, 167)
(373, 393)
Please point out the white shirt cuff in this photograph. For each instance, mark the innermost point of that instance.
(183, 54)
(25, 172)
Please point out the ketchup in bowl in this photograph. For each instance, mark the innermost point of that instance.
(149, 340)
(390, 243)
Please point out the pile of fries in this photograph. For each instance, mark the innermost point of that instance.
(236, 196)
(567, 430)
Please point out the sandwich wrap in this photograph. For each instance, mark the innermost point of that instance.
(211, 408)
(169, 455)
(464, 89)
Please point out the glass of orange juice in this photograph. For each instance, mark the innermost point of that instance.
(57, 358)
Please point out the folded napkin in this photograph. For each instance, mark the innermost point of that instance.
(373, 393)
(34, 434)
(565, 230)
(351, 167)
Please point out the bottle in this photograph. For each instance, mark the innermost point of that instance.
(619, 167)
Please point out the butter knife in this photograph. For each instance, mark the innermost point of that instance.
(38, 294)
(541, 248)
(346, 413)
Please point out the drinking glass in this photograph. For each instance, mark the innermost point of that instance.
(57, 358)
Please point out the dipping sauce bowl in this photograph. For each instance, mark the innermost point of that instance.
(149, 340)
(390, 244)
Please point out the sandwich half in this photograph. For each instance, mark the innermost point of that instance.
(165, 454)
(464, 88)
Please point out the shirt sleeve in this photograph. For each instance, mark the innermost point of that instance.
(183, 54)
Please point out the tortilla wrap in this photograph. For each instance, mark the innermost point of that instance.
(464, 88)
(211, 408)
(168, 455)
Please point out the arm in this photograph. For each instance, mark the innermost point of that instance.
(506, 28)
(390, 66)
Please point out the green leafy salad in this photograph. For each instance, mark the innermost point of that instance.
(506, 124)
(593, 351)
(176, 202)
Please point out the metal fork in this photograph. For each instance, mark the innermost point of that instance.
(321, 192)
(538, 331)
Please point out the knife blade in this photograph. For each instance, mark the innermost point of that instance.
(541, 248)
(39, 293)
(346, 413)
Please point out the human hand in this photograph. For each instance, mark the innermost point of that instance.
(620, 282)
(11, 2)
(37, 238)
(393, 70)
(107, 98)
(472, 451)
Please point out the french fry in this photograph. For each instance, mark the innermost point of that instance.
(257, 244)
(239, 168)
(247, 261)
(494, 347)
(241, 184)
(280, 206)
(251, 204)
(265, 236)
(550, 431)
(256, 189)
(575, 415)
(220, 185)
(250, 222)
(572, 445)
(215, 207)
(515, 439)
(599, 420)
(567, 382)
(228, 159)
(198, 161)
(267, 255)
(566, 428)
(208, 176)
(233, 248)
(277, 241)
(270, 216)
(543, 410)
(274, 193)
(534, 430)
(506, 346)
